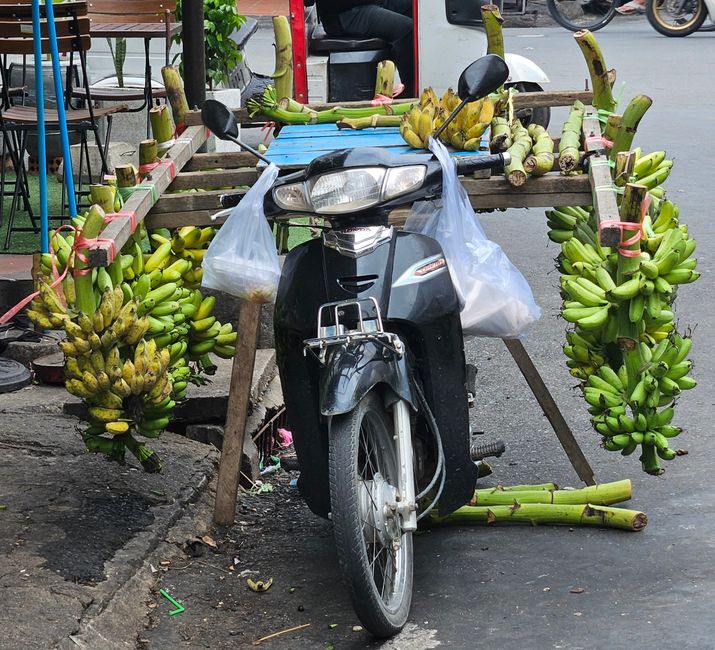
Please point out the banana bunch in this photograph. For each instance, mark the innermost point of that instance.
(652, 170)
(630, 392)
(464, 132)
(188, 244)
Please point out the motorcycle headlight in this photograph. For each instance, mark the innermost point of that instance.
(350, 190)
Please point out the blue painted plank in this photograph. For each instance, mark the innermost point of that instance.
(298, 145)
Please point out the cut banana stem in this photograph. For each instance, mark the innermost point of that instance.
(546, 514)
(603, 494)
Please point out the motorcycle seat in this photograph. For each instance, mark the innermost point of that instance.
(322, 44)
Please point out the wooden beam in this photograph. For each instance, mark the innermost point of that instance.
(188, 202)
(601, 181)
(548, 184)
(521, 100)
(117, 232)
(179, 219)
(220, 160)
(551, 410)
(236, 413)
(214, 179)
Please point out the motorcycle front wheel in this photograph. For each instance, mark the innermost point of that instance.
(676, 17)
(375, 555)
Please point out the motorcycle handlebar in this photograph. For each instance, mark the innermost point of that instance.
(471, 164)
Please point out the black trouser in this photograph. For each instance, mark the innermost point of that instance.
(391, 21)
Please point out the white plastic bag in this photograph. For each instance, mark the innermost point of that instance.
(242, 259)
(496, 298)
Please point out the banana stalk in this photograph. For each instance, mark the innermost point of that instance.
(385, 81)
(103, 196)
(162, 126)
(125, 175)
(541, 159)
(175, 94)
(547, 514)
(500, 135)
(289, 111)
(629, 124)
(514, 171)
(493, 22)
(603, 494)
(148, 152)
(283, 74)
(569, 154)
(600, 75)
(85, 299)
(373, 121)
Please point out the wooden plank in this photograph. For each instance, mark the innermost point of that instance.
(179, 219)
(504, 201)
(551, 98)
(551, 411)
(599, 174)
(220, 160)
(188, 202)
(214, 179)
(547, 184)
(117, 232)
(236, 413)
(521, 100)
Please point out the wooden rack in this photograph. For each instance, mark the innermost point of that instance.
(212, 173)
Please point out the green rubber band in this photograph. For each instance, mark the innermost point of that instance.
(126, 192)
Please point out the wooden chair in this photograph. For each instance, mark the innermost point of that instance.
(145, 19)
(72, 27)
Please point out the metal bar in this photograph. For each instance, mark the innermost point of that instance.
(551, 410)
(41, 150)
(61, 115)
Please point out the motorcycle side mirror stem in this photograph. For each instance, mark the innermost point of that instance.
(479, 79)
(222, 123)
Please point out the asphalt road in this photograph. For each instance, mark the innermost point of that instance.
(510, 588)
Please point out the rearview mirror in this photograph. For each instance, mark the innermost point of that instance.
(220, 120)
(482, 77)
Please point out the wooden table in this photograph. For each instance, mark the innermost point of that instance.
(146, 31)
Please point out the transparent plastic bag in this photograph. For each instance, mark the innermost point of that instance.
(242, 259)
(496, 298)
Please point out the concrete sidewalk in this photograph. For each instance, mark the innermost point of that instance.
(82, 539)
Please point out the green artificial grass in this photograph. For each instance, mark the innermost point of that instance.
(29, 242)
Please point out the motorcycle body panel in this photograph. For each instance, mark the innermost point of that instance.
(407, 275)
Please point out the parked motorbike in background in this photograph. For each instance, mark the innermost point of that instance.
(680, 17)
(371, 357)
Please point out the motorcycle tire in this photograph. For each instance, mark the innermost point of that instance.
(656, 12)
(576, 15)
(541, 115)
(363, 465)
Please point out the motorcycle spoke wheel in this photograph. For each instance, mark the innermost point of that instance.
(375, 555)
(676, 17)
(582, 14)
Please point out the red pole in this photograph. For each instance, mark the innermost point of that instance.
(300, 51)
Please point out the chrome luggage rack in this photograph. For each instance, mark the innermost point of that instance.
(369, 328)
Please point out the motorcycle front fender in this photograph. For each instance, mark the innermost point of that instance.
(522, 70)
(353, 369)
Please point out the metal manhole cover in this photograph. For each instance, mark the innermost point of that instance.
(13, 375)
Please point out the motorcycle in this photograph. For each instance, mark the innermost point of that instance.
(680, 17)
(371, 357)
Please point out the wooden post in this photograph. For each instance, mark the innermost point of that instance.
(236, 413)
(599, 174)
(551, 410)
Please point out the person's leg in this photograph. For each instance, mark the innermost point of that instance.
(403, 7)
(378, 22)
